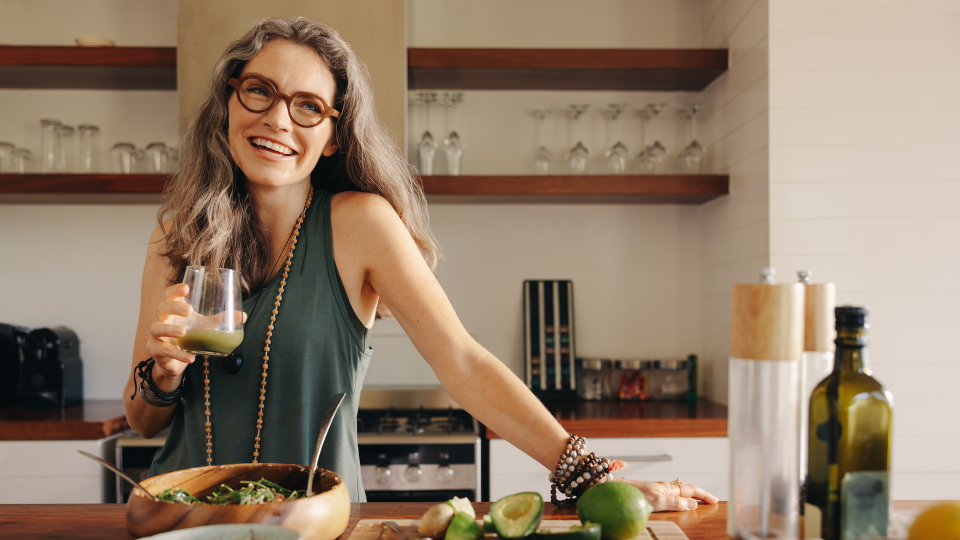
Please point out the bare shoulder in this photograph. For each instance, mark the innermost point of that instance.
(357, 209)
(157, 265)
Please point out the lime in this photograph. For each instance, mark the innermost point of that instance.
(621, 510)
(939, 522)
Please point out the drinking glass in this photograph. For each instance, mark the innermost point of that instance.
(578, 157)
(657, 153)
(67, 154)
(543, 157)
(89, 160)
(49, 144)
(124, 158)
(452, 145)
(156, 156)
(618, 155)
(427, 147)
(21, 161)
(692, 157)
(6, 156)
(215, 324)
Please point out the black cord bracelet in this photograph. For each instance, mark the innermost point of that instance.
(149, 391)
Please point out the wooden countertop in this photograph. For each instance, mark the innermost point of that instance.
(90, 420)
(703, 418)
(107, 521)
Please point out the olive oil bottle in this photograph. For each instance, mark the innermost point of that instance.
(851, 416)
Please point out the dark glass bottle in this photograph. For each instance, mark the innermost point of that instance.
(851, 416)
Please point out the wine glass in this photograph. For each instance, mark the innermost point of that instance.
(657, 153)
(427, 147)
(641, 157)
(543, 157)
(452, 145)
(578, 157)
(618, 155)
(692, 157)
(215, 323)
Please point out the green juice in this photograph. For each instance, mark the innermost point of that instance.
(210, 342)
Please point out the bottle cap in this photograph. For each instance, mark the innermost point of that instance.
(852, 316)
(767, 322)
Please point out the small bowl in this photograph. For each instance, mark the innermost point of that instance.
(323, 516)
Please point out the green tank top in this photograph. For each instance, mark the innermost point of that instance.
(318, 350)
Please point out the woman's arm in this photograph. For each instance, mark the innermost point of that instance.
(154, 338)
(380, 247)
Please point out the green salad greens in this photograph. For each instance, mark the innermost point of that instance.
(255, 492)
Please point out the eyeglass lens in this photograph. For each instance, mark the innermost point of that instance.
(304, 108)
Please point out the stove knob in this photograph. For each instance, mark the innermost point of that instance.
(382, 473)
(413, 472)
(444, 472)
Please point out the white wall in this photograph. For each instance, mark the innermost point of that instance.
(635, 267)
(735, 227)
(864, 187)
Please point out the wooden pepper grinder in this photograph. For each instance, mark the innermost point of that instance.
(816, 364)
(766, 346)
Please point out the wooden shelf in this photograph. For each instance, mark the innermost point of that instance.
(649, 189)
(110, 68)
(660, 189)
(564, 69)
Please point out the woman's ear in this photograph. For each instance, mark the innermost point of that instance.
(331, 149)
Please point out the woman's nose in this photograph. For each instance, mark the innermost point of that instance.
(278, 117)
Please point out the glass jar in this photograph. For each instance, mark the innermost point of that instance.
(124, 158)
(669, 380)
(593, 379)
(630, 379)
(49, 144)
(21, 161)
(89, 160)
(6, 156)
(156, 156)
(67, 153)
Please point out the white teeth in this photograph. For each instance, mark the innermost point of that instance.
(276, 147)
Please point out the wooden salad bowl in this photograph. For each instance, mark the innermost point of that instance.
(322, 516)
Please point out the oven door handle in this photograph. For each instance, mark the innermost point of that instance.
(650, 458)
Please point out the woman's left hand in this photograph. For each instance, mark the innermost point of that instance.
(669, 497)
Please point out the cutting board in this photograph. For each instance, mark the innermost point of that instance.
(369, 529)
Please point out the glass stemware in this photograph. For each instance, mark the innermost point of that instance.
(452, 145)
(427, 147)
(618, 155)
(578, 157)
(692, 157)
(543, 157)
(642, 157)
(657, 154)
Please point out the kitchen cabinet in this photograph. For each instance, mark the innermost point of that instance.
(54, 472)
(39, 462)
(703, 461)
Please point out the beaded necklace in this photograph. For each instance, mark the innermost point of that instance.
(266, 349)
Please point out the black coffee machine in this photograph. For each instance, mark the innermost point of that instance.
(12, 340)
(52, 374)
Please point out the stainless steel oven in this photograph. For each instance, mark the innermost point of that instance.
(417, 446)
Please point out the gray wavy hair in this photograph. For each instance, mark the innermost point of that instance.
(213, 221)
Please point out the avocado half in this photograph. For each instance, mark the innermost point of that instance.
(516, 516)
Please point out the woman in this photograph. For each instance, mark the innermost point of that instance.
(288, 176)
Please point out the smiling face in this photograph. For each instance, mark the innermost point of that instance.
(270, 149)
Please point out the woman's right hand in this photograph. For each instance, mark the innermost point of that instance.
(161, 341)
